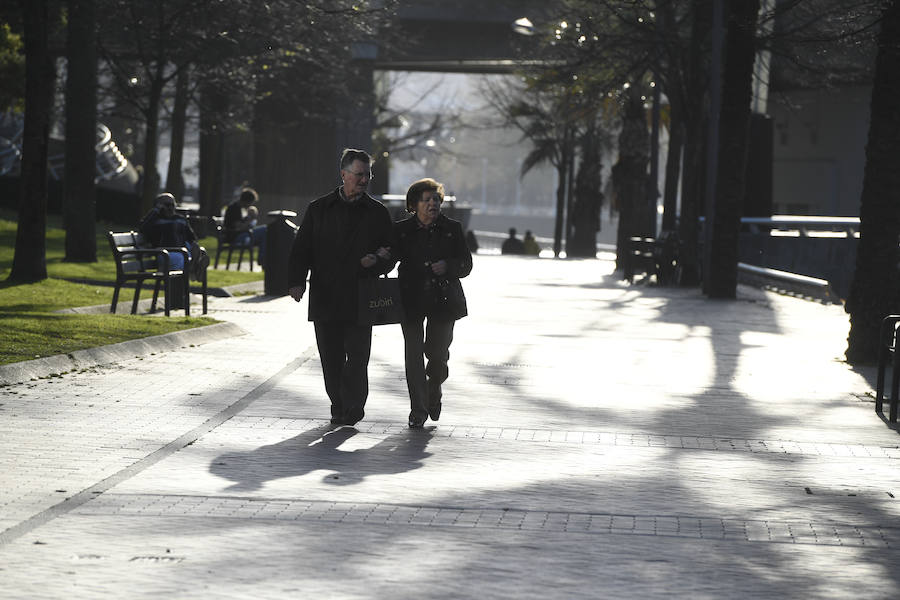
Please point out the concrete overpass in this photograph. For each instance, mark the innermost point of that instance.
(463, 36)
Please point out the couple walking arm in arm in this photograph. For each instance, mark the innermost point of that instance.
(347, 235)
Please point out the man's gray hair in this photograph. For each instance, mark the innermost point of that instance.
(351, 154)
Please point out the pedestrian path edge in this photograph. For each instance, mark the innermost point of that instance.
(91, 357)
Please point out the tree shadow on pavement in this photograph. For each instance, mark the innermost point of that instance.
(722, 408)
(320, 449)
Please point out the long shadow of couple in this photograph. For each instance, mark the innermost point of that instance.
(320, 448)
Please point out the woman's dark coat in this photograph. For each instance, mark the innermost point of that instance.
(417, 282)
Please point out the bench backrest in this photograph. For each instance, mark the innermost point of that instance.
(123, 245)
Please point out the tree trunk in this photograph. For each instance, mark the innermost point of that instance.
(734, 139)
(673, 168)
(875, 291)
(174, 178)
(695, 103)
(30, 258)
(79, 198)
(692, 199)
(653, 178)
(212, 153)
(150, 187)
(561, 170)
(570, 190)
(629, 175)
(585, 217)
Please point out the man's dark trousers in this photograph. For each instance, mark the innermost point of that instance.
(431, 341)
(344, 349)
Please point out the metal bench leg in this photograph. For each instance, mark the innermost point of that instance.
(204, 292)
(240, 257)
(882, 367)
(228, 262)
(137, 293)
(895, 386)
(155, 295)
(218, 252)
(115, 298)
(167, 287)
(187, 294)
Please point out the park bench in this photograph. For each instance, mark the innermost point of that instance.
(653, 256)
(639, 257)
(223, 244)
(888, 352)
(138, 262)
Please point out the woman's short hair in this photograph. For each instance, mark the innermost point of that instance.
(415, 191)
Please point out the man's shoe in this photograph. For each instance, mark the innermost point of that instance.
(416, 423)
(434, 411)
(354, 416)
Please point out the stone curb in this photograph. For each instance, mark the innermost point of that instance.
(91, 357)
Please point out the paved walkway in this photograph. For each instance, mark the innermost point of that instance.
(597, 441)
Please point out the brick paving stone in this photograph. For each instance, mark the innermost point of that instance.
(597, 440)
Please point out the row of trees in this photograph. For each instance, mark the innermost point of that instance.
(607, 60)
(141, 60)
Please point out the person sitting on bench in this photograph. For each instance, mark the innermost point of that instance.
(240, 224)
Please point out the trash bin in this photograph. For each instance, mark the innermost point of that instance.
(280, 233)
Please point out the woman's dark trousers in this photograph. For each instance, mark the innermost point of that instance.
(431, 341)
(344, 349)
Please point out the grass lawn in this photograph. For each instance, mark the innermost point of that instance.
(28, 326)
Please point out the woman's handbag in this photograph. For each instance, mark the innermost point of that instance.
(447, 298)
(379, 301)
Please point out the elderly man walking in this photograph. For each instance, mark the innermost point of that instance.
(345, 235)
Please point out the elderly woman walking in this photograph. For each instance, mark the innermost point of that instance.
(433, 256)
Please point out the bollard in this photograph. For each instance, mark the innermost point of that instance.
(280, 233)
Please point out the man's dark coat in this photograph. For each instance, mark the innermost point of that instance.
(333, 236)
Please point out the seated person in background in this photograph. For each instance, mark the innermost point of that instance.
(531, 245)
(240, 224)
(162, 227)
(512, 244)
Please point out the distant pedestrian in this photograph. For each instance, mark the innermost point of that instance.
(345, 235)
(512, 244)
(433, 256)
(531, 246)
(240, 224)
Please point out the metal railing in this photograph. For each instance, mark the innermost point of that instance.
(802, 226)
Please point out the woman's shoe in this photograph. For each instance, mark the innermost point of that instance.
(434, 411)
